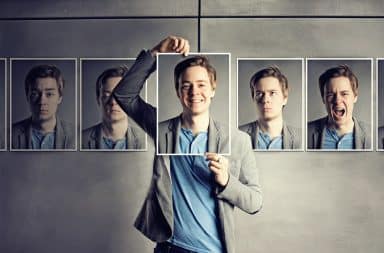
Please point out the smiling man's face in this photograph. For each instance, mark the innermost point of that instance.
(339, 100)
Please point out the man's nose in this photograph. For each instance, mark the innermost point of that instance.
(111, 100)
(42, 99)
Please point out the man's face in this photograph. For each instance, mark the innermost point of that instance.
(111, 110)
(339, 100)
(195, 90)
(44, 98)
(269, 98)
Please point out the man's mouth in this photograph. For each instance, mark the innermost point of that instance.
(195, 100)
(338, 112)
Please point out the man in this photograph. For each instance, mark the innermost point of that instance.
(380, 137)
(189, 206)
(340, 129)
(114, 132)
(44, 87)
(269, 91)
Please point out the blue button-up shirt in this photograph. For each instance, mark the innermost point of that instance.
(196, 223)
(110, 144)
(333, 141)
(42, 141)
(265, 142)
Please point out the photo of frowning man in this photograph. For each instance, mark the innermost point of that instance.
(341, 129)
(114, 132)
(43, 129)
(269, 92)
(2, 104)
(190, 203)
(194, 88)
(380, 103)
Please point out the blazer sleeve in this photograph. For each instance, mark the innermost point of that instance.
(127, 93)
(244, 192)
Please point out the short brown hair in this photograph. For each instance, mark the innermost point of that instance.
(339, 71)
(44, 71)
(119, 71)
(198, 60)
(271, 71)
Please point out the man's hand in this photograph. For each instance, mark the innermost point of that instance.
(219, 166)
(172, 44)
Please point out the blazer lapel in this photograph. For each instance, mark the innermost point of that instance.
(214, 138)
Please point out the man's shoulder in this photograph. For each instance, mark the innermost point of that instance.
(248, 126)
(90, 132)
(169, 124)
(21, 126)
(362, 124)
(68, 127)
(317, 124)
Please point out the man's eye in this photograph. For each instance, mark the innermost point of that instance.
(258, 94)
(273, 93)
(50, 94)
(34, 95)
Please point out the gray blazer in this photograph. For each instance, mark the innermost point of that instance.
(316, 133)
(291, 135)
(380, 137)
(91, 137)
(155, 219)
(22, 132)
(169, 130)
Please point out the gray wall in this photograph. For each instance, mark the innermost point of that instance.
(87, 202)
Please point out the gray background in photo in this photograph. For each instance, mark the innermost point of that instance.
(362, 70)
(292, 69)
(20, 107)
(380, 93)
(87, 201)
(169, 104)
(2, 104)
(91, 69)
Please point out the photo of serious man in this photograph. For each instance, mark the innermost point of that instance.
(43, 129)
(196, 88)
(269, 89)
(114, 132)
(380, 103)
(2, 104)
(341, 129)
(191, 200)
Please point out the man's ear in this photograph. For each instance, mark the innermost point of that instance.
(60, 99)
(355, 99)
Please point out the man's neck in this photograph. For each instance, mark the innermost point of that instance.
(342, 129)
(273, 127)
(46, 126)
(196, 123)
(115, 130)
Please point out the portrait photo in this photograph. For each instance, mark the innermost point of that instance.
(43, 104)
(270, 102)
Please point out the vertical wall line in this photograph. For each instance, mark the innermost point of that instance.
(199, 26)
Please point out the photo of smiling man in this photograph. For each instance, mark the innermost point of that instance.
(44, 86)
(341, 84)
(266, 116)
(195, 107)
